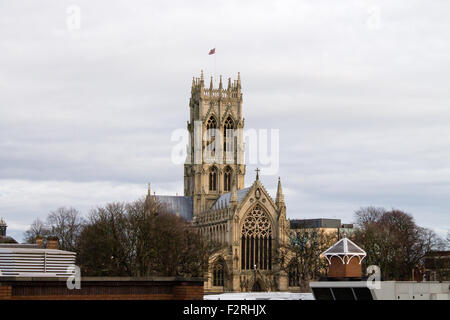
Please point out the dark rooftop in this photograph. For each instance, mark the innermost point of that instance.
(178, 204)
(315, 223)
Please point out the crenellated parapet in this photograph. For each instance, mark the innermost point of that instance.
(200, 92)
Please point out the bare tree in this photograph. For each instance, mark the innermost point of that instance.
(301, 259)
(37, 228)
(65, 224)
(393, 241)
(123, 239)
(448, 239)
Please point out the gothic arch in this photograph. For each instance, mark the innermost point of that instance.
(213, 174)
(226, 116)
(258, 285)
(211, 122)
(219, 272)
(257, 233)
(228, 133)
(211, 126)
(228, 173)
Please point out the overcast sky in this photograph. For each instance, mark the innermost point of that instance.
(359, 91)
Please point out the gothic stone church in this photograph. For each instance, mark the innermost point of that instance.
(247, 221)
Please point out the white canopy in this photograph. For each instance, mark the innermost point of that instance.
(344, 248)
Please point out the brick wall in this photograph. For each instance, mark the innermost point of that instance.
(343, 270)
(187, 291)
(5, 292)
(102, 289)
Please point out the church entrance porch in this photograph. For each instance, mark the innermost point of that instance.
(257, 287)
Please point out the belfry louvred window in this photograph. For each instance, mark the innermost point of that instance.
(227, 179)
(213, 179)
(211, 126)
(256, 241)
(228, 134)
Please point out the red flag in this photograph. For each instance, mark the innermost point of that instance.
(212, 51)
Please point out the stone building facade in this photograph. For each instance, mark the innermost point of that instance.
(249, 224)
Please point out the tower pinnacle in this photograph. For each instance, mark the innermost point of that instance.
(280, 197)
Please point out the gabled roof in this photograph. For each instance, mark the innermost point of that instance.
(224, 199)
(178, 204)
(342, 248)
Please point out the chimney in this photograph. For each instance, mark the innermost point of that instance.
(52, 243)
(39, 241)
(344, 259)
(3, 227)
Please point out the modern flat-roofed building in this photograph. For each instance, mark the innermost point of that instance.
(326, 225)
(33, 260)
(22, 260)
(437, 266)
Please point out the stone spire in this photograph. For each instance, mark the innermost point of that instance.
(239, 80)
(148, 202)
(280, 197)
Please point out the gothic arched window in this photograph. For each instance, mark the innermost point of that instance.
(256, 241)
(227, 179)
(211, 123)
(213, 179)
(218, 274)
(211, 126)
(294, 276)
(228, 132)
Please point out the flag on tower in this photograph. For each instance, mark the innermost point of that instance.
(212, 51)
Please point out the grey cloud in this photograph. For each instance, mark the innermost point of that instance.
(362, 112)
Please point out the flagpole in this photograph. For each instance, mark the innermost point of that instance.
(215, 74)
(213, 52)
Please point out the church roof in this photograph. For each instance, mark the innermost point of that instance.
(178, 204)
(224, 199)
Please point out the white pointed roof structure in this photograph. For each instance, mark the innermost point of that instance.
(344, 248)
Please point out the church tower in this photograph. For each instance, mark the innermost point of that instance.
(215, 157)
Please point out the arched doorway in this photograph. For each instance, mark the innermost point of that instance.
(257, 286)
